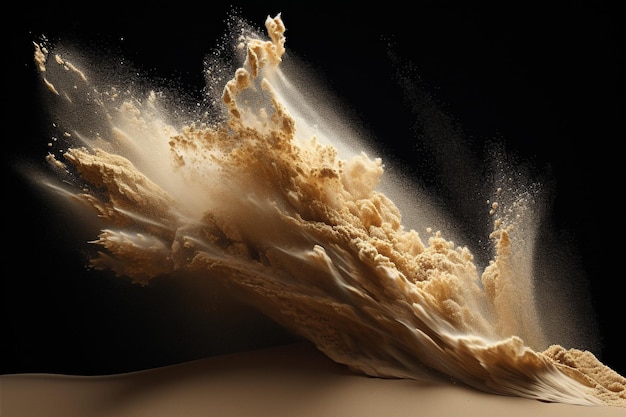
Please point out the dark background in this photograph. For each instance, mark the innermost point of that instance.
(428, 83)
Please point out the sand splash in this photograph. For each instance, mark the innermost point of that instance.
(259, 198)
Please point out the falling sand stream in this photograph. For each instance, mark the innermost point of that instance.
(260, 196)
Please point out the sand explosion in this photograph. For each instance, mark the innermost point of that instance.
(261, 200)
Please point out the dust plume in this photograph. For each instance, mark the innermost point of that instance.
(285, 207)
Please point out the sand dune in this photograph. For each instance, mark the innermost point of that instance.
(290, 380)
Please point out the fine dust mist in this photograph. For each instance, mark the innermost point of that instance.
(268, 194)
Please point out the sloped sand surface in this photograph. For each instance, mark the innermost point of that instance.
(290, 380)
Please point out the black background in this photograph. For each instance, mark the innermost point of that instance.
(546, 81)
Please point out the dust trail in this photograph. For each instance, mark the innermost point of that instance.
(287, 210)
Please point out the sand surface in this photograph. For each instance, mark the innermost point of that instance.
(289, 380)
